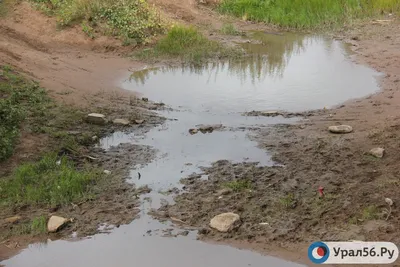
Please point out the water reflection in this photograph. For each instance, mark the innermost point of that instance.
(286, 72)
(269, 55)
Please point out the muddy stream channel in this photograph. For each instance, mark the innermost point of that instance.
(287, 72)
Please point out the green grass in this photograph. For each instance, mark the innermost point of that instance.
(38, 225)
(6, 6)
(287, 201)
(19, 99)
(26, 107)
(229, 29)
(189, 45)
(128, 19)
(47, 183)
(370, 213)
(307, 14)
(238, 185)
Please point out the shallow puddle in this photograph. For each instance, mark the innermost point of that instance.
(287, 72)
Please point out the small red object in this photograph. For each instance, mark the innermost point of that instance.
(321, 191)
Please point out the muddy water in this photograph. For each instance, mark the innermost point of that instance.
(287, 72)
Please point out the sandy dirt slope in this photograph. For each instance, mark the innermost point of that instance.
(67, 62)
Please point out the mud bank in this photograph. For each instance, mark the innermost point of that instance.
(282, 206)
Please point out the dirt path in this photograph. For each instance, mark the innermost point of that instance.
(68, 62)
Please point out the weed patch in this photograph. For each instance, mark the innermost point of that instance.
(370, 213)
(229, 29)
(307, 14)
(38, 225)
(25, 106)
(129, 19)
(49, 181)
(188, 44)
(19, 99)
(238, 185)
(287, 201)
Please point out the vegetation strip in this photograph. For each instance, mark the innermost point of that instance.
(309, 14)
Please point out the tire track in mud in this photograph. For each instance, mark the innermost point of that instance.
(19, 38)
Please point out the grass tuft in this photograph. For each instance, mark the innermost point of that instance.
(288, 201)
(188, 44)
(370, 213)
(307, 14)
(229, 29)
(238, 185)
(47, 181)
(38, 225)
(19, 99)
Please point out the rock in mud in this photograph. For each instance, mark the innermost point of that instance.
(224, 191)
(139, 121)
(377, 152)
(340, 129)
(107, 172)
(13, 219)
(121, 122)
(208, 128)
(55, 223)
(225, 222)
(96, 118)
(193, 131)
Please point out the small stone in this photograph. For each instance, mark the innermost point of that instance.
(96, 118)
(121, 122)
(94, 137)
(208, 128)
(389, 201)
(145, 99)
(340, 129)
(55, 223)
(139, 121)
(377, 152)
(107, 172)
(13, 219)
(193, 131)
(225, 222)
(224, 191)
(184, 233)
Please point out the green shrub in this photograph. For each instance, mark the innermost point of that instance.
(129, 19)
